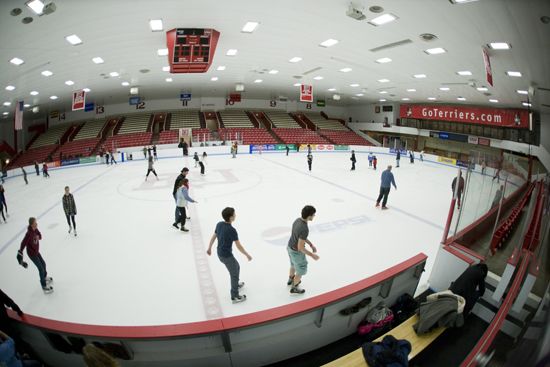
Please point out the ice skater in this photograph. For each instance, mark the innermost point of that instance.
(397, 158)
(182, 198)
(422, 156)
(374, 162)
(233, 150)
(411, 156)
(196, 159)
(370, 159)
(69, 206)
(226, 235)
(155, 152)
(32, 243)
(3, 203)
(113, 158)
(297, 251)
(385, 186)
(37, 168)
(107, 157)
(483, 166)
(45, 170)
(459, 189)
(25, 176)
(353, 160)
(203, 161)
(180, 177)
(497, 174)
(144, 150)
(150, 169)
(101, 155)
(309, 160)
(287, 150)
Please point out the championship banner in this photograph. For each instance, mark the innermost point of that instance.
(79, 100)
(19, 115)
(473, 115)
(306, 93)
(488, 67)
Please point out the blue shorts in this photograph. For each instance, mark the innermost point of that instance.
(298, 261)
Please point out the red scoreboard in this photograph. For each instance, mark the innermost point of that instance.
(191, 50)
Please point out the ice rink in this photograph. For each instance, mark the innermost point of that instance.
(129, 267)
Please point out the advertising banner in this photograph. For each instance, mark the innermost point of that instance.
(473, 115)
(69, 162)
(462, 163)
(472, 139)
(91, 159)
(325, 147)
(483, 141)
(394, 151)
(341, 147)
(450, 161)
(89, 107)
(283, 147)
(134, 101)
(52, 164)
(265, 148)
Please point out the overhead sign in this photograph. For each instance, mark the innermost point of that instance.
(134, 101)
(185, 97)
(79, 100)
(387, 108)
(488, 67)
(89, 107)
(320, 103)
(54, 114)
(306, 93)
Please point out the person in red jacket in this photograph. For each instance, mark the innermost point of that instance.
(32, 243)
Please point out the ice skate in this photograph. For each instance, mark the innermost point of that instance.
(290, 280)
(183, 229)
(75, 232)
(377, 205)
(385, 208)
(241, 284)
(48, 279)
(297, 290)
(47, 289)
(70, 229)
(175, 226)
(239, 299)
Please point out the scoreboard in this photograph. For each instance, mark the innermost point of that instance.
(191, 50)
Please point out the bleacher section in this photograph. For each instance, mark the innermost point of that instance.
(37, 154)
(90, 130)
(200, 135)
(51, 136)
(235, 119)
(344, 137)
(128, 140)
(135, 123)
(281, 119)
(324, 124)
(185, 119)
(250, 136)
(84, 146)
(302, 136)
(169, 137)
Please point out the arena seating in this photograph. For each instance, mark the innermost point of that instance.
(185, 119)
(169, 137)
(91, 129)
(250, 136)
(235, 118)
(200, 135)
(344, 137)
(323, 123)
(128, 140)
(83, 146)
(39, 154)
(281, 119)
(51, 136)
(302, 136)
(135, 123)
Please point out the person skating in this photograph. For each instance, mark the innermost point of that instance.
(144, 150)
(155, 152)
(182, 197)
(374, 162)
(202, 162)
(397, 158)
(458, 189)
(25, 176)
(370, 159)
(180, 177)
(113, 158)
(422, 156)
(353, 160)
(45, 170)
(385, 186)
(497, 174)
(3, 203)
(297, 250)
(151, 168)
(233, 150)
(196, 159)
(101, 155)
(69, 206)
(107, 157)
(37, 168)
(226, 235)
(32, 242)
(411, 156)
(309, 160)
(287, 149)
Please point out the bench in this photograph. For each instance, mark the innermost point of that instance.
(403, 331)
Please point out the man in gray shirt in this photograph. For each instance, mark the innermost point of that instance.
(297, 251)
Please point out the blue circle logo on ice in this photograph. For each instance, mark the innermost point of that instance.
(277, 236)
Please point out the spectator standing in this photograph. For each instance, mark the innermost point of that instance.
(69, 206)
(151, 168)
(25, 176)
(459, 189)
(353, 160)
(385, 186)
(32, 242)
(471, 285)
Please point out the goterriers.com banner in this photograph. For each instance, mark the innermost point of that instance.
(473, 115)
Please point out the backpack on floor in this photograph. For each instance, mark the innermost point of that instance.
(404, 308)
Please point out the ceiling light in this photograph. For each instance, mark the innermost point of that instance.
(47, 73)
(420, 75)
(34, 93)
(411, 90)
(231, 52)
(53, 97)
(134, 90)
(434, 51)
(168, 80)
(295, 59)
(383, 60)
(239, 87)
(250, 27)
(74, 40)
(493, 100)
(354, 85)
(26, 105)
(522, 91)
(345, 70)
(461, 98)
(328, 43)
(383, 92)
(162, 51)
(482, 89)
(461, 1)
(16, 61)
(405, 99)
(383, 19)
(383, 80)
(359, 95)
(6, 113)
(332, 89)
(221, 67)
(214, 79)
(318, 78)
(98, 60)
(36, 109)
(464, 72)
(156, 25)
(336, 97)
(258, 81)
(69, 82)
(382, 100)
(113, 74)
(431, 98)
(273, 72)
(514, 73)
(166, 68)
(10, 87)
(444, 88)
(36, 6)
(500, 46)
(297, 84)
(125, 84)
(527, 104)
(7, 104)
(86, 90)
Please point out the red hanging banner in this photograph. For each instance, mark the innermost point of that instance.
(79, 100)
(488, 67)
(306, 93)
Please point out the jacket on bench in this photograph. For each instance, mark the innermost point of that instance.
(440, 309)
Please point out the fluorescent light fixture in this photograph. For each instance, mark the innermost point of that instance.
(522, 91)
(86, 90)
(47, 73)
(231, 52)
(332, 89)
(166, 68)
(383, 92)
(461, 1)
(53, 97)
(482, 89)
(383, 60)
(69, 82)
(168, 80)
(297, 84)
(125, 84)
(16, 61)
(34, 93)
(98, 60)
(26, 105)
(383, 19)
(465, 72)
(36, 109)
(36, 6)
(383, 80)
(359, 94)
(382, 100)
(6, 113)
(432, 98)
(250, 27)
(354, 85)
(295, 59)
(328, 43)
(113, 73)
(258, 81)
(493, 100)
(134, 90)
(7, 104)
(318, 78)
(221, 67)
(345, 70)
(273, 72)
(10, 87)
(156, 25)
(162, 51)
(461, 98)
(74, 40)
(411, 90)
(514, 73)
(214, 79)
(434, 51)
(239, 87)
(444, 88)
(527, 104)
(405, 99)
(336, 97)
(420, 76)
(500, 46)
